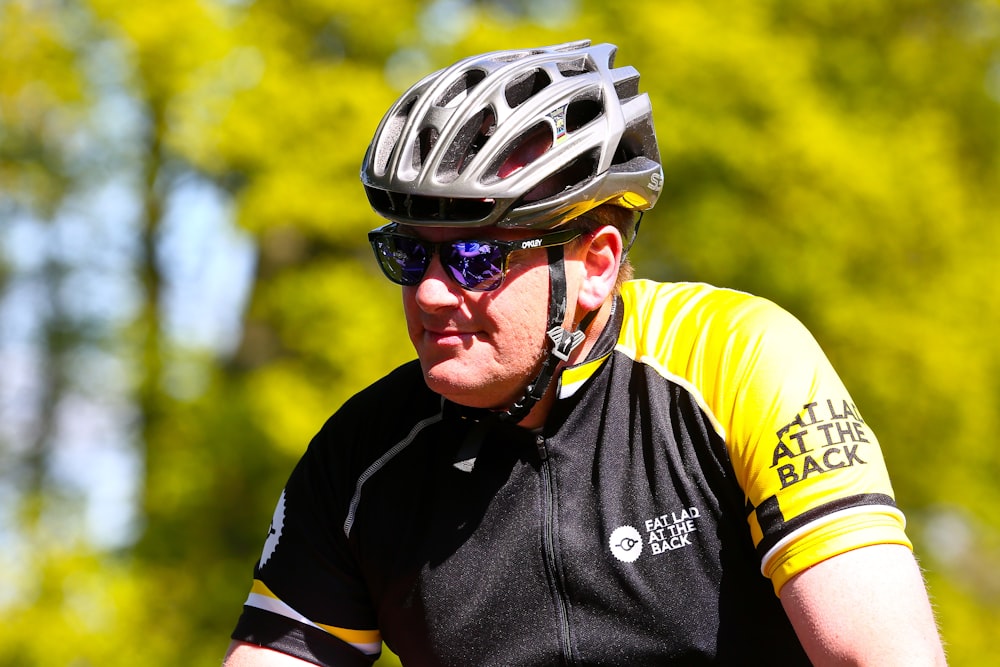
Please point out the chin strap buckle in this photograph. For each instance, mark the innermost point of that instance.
(564, 342)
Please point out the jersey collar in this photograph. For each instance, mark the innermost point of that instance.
(574, 377)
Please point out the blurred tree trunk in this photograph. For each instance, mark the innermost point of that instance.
(41, 91)
(150, 398)
(56, 342)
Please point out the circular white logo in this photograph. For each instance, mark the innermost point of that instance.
(274, 533)
(626, 544)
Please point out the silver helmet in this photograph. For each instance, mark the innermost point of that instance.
(524, 139)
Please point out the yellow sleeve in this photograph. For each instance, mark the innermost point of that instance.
(812, 470)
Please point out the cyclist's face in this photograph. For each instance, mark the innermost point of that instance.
(480, 348)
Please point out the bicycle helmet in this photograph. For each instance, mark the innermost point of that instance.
(526, 139)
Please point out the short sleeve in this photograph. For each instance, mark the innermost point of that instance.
(308, 598)
(811, 467)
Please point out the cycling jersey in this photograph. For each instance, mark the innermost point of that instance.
(704, 453)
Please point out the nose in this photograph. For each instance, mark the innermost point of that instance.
(436, 291)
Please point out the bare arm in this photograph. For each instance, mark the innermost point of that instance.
(864, 607)
(242, 654)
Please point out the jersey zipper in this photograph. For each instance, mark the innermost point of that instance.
(551, 557)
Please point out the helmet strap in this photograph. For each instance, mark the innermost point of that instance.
(563, 341)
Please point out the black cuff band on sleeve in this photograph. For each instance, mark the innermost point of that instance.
(301, 641)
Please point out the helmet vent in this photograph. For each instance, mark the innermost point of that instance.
(529, 147)
(469, 140)
(390, 135)
(460, 87)
(638, 140)
(443, 209)
(514, 56)
(580, 170)
(582, 111)
(418, 208)
(425, 142)
(576, 67)
(627, 87)
(525, 87)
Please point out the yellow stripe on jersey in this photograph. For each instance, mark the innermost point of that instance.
(573, 377)
(369, 641)
(355, 637)
(795, 439)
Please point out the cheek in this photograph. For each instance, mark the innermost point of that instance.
(411, 312)
(409, 304)
(522, 311)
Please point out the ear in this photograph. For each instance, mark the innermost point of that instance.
(602, 255)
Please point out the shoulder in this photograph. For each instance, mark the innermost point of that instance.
(645, 299)
(669, 319)
(398, 392)
(750, 363)
(378, 415)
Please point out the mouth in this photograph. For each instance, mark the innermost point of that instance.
(450, 337)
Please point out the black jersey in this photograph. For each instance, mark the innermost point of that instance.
(702, 455)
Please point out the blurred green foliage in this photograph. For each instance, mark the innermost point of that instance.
(841, 158)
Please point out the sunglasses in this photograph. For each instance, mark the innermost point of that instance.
(478, 265)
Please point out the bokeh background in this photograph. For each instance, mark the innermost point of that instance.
(186, 292)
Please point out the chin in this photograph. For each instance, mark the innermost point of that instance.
(456, 388)
(461, 394)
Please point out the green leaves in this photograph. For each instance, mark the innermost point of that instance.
(840, 158)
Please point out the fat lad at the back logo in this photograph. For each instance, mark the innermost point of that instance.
(823, 437)
(666, 532)
(671, 531)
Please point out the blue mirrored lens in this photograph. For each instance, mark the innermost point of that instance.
(475, 265)
(404, 260)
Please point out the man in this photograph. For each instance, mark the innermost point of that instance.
(578, 469)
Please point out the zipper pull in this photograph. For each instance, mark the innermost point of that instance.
(543, 453)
